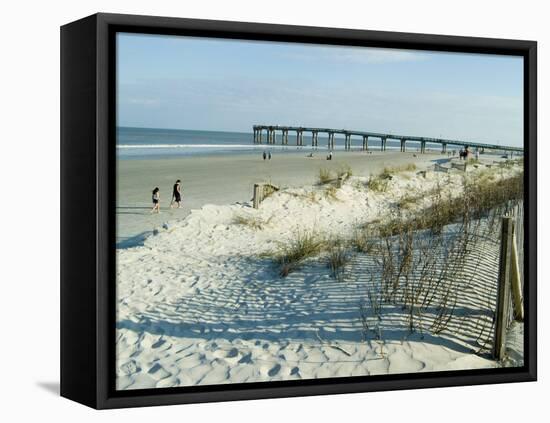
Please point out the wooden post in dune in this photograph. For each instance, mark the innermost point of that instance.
(516, 280)
(503, 289)
(258, 190)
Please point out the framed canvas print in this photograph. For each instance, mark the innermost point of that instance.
(255, 211)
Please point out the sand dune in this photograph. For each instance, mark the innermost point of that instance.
(198, 304)
(226, 180)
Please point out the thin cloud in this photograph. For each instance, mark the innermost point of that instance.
(146, 102)
(358, 55)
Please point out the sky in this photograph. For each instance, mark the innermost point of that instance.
(229, 85)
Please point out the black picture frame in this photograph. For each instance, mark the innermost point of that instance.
(87, 212)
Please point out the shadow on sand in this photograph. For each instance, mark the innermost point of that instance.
(133, 241)
(309, 304)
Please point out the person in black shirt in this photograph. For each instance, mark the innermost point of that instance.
(176, 194)
(155, 197)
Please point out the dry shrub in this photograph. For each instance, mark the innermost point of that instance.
(378, 183)
(330, 193)
(344, 170)
(247, 220)
(338, 257)
(325, 176)
(392, 170)
(291, 255)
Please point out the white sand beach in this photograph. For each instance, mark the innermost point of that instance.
(200, 303)
(229, 179)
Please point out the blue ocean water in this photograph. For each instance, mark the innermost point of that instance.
(139, 143)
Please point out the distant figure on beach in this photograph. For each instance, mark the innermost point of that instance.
(156, 200)
(264, 155)
(310, 154)
(477, 155)
(461, 154)
(176, 194)
(329, 157)
(269, 155)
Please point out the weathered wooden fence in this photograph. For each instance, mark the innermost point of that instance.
(439, 168)
(261, 192)
(510, 278)
(341, 179)
(459, 166)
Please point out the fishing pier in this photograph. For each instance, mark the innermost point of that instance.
(273, 133)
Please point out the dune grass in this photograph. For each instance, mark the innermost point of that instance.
(406, 248)
(330, 193)
(378, 183)
(250, 221)
(291, 255)
(392, 170)
(408, 202)
(480, 196)
(344, 170)
(362, 240)
(325, 176)
(338, 257)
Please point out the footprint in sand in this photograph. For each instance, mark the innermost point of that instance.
(158, 372)
(246, 359)
(135, 353)
(274, 370)
(233, 352)
(158, 344)
(130, 367)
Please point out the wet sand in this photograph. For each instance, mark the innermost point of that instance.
(227, 180)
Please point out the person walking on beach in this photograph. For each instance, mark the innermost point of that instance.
(264, 155)
(156, 200)
(176, 194)
(269, 155)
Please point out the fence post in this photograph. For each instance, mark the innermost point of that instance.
(257, 196)
(503, 289)
(516, 280)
